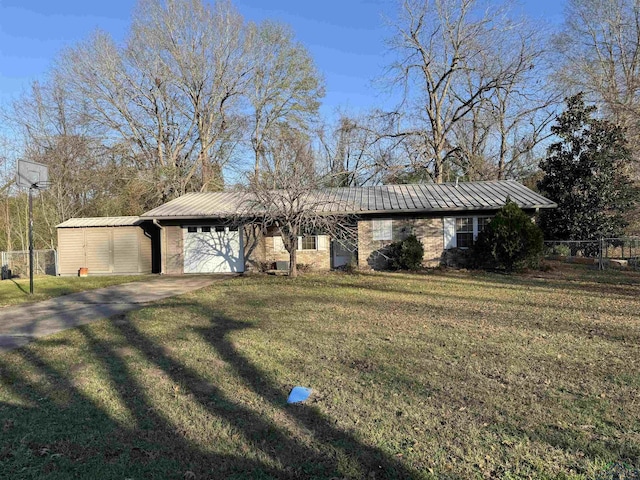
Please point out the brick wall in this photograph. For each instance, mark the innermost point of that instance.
(315, 259)
(428, 230)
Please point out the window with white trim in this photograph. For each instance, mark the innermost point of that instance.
(464, 232)
(305, 243)
(382, 229)
(308, 242)
(461, 232)
(482, 225)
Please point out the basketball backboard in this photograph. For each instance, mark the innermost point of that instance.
(32, 174)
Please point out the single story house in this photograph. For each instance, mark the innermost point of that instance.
(207, 232)
(204, 232)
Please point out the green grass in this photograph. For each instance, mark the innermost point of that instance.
(439, 375)
(16, 291)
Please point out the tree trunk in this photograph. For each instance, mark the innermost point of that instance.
(293, 254)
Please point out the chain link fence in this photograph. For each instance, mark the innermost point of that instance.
(621, 252)
(16, 263)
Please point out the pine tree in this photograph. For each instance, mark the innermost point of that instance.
(585, 176)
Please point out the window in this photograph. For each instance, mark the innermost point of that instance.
(278, 244)
(192, 229)
(382, 229)
(482, 224)
(206, 229)
(233, 229)
(464, 232)
(219, 229)
(307, 242)
(461, 232)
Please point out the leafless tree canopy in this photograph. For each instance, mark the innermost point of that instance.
(599, 54)
(461, 65)
(287, 194)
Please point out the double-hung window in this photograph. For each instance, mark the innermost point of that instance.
(461, 232)
(482, 224)
(308, 242)
(382, 229)
(464, 232)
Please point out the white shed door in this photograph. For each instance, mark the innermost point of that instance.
(213, 249)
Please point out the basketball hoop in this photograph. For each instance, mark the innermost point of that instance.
(34, 176)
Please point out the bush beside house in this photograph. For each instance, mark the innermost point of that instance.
(406, 254)
(510, 242)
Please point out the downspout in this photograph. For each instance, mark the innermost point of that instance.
(155, 222)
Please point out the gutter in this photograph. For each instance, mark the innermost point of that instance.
(155, 222)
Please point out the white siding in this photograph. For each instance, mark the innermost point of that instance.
(449, 233)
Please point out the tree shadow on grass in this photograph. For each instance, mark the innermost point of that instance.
(63, 433)
(303, 461)
(56, 430)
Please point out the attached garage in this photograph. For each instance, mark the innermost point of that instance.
(107, 246)
(212, 249)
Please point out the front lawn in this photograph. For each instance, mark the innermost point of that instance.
(439, 375)
(16, 291)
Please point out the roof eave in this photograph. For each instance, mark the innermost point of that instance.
(359, 212)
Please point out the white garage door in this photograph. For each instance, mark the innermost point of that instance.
(212, 249)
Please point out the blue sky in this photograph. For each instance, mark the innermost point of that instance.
(345, 37)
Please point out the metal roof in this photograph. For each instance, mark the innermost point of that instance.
(385, 199)
(101, 222)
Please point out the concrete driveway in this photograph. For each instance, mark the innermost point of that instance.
(21, 324)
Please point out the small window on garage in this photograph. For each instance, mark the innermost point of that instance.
(464, 232)
(192, 229)
(233, 229)
(206, 229)
(220, 229)
(382, 229)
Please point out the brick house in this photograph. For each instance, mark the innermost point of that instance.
(205, 232)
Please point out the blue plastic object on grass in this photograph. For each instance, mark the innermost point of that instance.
(298, 394)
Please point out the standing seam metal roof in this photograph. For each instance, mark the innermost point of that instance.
(101, 222)
(369, 200)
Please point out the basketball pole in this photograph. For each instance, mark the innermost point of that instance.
(31, 240)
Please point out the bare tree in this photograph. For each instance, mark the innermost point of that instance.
(353, 152)
(449, 62)
(204, 54)
(54, 131)
(285, 86)
(287, 194)
(129, 94)
(499, 136)
(599, 50)
(7, 172)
